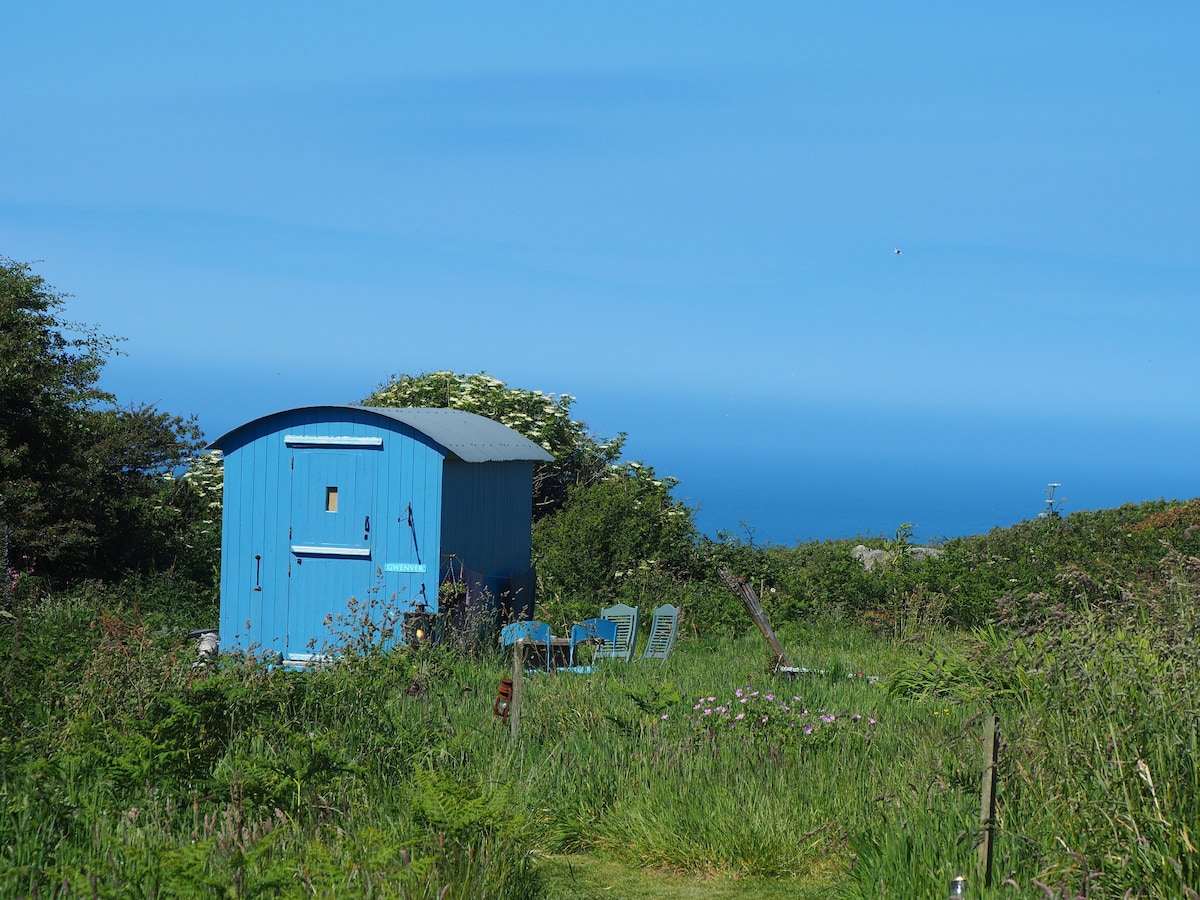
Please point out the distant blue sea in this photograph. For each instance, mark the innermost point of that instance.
(786, 476)
(819, 499)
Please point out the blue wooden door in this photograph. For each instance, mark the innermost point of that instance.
(332, 535)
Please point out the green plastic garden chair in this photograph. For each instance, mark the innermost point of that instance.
(663, 628)
(626, 618)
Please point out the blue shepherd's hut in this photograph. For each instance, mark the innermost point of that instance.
(328, 503)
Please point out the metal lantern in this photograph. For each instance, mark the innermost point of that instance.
(418, 625)
(503, 704)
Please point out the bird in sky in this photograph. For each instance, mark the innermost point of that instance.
(897, 251)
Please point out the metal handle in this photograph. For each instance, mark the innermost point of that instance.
(366, 527)
(257, 572)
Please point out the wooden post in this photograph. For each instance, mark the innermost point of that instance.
(514, 715)
(744, 592)
(987, 803)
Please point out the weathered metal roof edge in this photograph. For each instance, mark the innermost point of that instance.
(469, 436)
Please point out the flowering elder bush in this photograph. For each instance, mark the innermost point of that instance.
(579, 457)
(188, 507)
(205, 474)
(773, 716)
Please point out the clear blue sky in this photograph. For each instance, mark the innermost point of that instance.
(684, 214)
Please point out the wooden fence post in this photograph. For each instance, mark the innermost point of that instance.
(514, 715)
(987, 802)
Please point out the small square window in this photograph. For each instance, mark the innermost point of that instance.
(331, 499)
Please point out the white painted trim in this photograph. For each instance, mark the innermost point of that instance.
(312, 440)
(304, 550)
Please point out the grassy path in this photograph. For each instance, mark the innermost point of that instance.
(584, 877)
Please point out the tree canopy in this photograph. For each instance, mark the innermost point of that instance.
(82, 491)
(580, 458)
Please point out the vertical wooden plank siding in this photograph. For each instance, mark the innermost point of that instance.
(411, 475)
(271, 536)
(322, 589)
(253, 619)
(486, 509)
(478, 511)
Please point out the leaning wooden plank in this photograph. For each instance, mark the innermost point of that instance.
(742, 590)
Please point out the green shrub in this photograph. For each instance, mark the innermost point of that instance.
(622, 538)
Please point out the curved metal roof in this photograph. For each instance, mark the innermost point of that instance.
(471, 437)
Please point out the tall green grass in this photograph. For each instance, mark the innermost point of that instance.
(126, 769)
